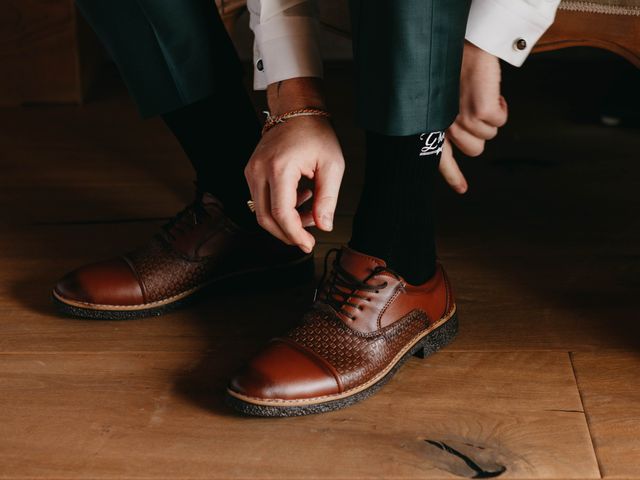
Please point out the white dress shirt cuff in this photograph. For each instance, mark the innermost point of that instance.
(286, 47)
(509, 29)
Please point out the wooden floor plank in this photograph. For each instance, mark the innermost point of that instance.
(161, 415)
(547, 303)
(609, 383)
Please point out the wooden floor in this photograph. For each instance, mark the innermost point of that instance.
(544, 251)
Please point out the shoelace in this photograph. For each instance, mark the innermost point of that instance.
(341, 286)
(185, 220)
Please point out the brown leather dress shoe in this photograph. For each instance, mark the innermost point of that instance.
(366, 322)
(199, 247)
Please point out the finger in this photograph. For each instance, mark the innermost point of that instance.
(504, 109)
(306, 215)
(465, 141)
(478, 128)
(283, 190)
(327, 187)
(494, 113)
(303, 197)
(307, 219)
(262, 202)
(450, 171)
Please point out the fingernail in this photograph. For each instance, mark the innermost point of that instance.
(327, 221)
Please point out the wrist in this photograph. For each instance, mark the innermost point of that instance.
(476, 54)
(294, 94)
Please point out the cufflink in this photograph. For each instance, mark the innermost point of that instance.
(520, 44)
(260, 65)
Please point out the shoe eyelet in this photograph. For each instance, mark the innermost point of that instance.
(360, 307)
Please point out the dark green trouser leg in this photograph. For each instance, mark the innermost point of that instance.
(171, 53)
(179, 62)
(407, 63)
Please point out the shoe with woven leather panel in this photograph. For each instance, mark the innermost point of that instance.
(201, 246)
(365, 323)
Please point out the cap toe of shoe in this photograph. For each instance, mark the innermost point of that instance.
(110, 282)
(285, 372)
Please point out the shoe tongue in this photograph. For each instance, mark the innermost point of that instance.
(358, 264)
(205, 207)
(212, 206)
(209, 201)
(194, 232)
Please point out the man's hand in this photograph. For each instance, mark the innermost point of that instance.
(300, 147)
(482, 111)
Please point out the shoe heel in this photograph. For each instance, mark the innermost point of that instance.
(439, 338)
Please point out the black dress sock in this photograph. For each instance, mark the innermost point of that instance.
(219, 134)
(394, 220)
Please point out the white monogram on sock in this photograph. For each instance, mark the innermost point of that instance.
(433, 143)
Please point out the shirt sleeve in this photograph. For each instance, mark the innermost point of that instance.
(286, 40)
(509, 29)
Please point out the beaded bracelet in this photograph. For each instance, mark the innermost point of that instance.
(273, 120)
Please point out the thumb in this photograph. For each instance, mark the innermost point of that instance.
(327, 187)
(501, 115)
(450, 170)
